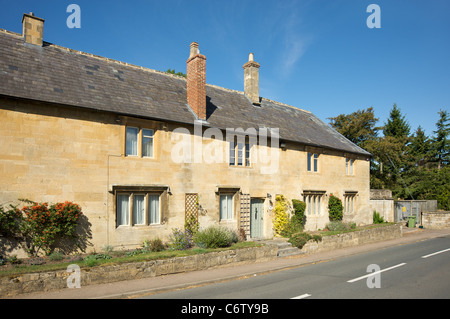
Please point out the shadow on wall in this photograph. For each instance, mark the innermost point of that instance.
(15, 243)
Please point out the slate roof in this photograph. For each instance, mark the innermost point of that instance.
(59, 75)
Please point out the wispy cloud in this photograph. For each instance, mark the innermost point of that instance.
(295, 44)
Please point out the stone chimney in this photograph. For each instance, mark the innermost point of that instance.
(251, 80)
(33, 29)
(196, 82)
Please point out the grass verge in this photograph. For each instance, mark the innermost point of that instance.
(117, 258)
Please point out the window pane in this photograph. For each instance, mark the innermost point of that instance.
(351, 167)
(153, 209)
(316, 157)
(240, 150)
(309, 162)
(226, 207)
(232, 153)
(308, 198)
(346, 166)
(314, 205)
(247, 154)
(138, 209)
(147, 143)
(123, 209)
(131, 141)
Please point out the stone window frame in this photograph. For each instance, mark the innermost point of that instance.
(350, 198)
(140, 138)
(349, 169)
(131, 191)
(314, 200)
(312, 162)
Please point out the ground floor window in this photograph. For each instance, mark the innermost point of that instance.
(314, 202)
(137, 209)
(349, 202)
(226, 207)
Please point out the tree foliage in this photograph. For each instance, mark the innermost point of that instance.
(413, 166)
(358, 127)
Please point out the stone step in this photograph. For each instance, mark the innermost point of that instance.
(290, 251)
(285, 248)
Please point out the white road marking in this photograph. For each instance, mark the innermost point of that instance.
(438, 252)
(376, 272)
(302, 296)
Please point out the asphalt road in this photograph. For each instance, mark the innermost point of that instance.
(417, 270)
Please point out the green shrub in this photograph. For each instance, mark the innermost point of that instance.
(180, 240)
(215, 237)
(92, 260)
(377, 219)
(340, 226)
(299, 210)
(300, 239)
(335, 208)
(154, 245)
(295, 224)
(281, 215)
(56, 256)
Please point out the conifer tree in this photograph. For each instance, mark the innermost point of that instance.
(396, 125)
(441, 142)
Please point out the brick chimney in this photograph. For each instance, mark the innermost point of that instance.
(251, 80)
(196, 81)
(33, 29)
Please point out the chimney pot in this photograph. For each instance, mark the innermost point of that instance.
(33, 29)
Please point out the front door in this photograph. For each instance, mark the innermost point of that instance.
(257, 218)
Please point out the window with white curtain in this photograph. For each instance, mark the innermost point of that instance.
(123, 209)
(349, 166)
(240, 154)
(349, 203)
(314, 202)
(226, 207)
(139, 142)
(131, 147)
(153, 209)
(138, 209)
(147, 143)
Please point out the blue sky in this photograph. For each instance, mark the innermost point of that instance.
(318, 55)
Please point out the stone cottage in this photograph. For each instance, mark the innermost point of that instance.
(141, 150)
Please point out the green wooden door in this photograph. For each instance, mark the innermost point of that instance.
(256, 218)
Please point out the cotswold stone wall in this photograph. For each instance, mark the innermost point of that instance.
(436, 220)
(26, 283)
(354, 238)
(53, 153)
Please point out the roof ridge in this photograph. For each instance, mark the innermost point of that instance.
(145, 68)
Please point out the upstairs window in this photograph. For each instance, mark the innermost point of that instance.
(349, 166)
(131, 147)
(312, 162)
(239, 154)
(147, 143)
(132, 137)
